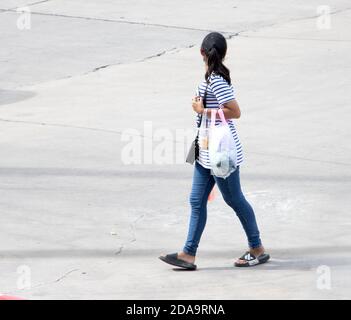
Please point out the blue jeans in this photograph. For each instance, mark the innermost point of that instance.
(203, 182)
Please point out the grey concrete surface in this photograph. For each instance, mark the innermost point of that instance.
(89, 226)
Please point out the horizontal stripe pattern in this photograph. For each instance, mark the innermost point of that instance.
(218, 93)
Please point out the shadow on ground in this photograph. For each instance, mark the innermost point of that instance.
(12, 96)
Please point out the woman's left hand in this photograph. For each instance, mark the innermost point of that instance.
(198, 105)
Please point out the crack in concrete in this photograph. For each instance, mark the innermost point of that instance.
(56, 280)
(132, 228)
(156, 55)
(162, 53)
(65, 275)
(119, 250)
(101, 67)
(119, 63)
(45, 283)
(228, 34)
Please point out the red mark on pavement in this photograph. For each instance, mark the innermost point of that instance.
(212, 195)
(4, 297)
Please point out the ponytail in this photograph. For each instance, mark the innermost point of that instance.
(214, 46)
(215, 64)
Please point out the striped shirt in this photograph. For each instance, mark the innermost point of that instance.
(218, 93)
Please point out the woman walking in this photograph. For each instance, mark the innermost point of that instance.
(216, 91)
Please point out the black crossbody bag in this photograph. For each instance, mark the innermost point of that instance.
(193, 153)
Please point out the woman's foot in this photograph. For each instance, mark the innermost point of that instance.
(186, 257)
(254, 251)
(182, 260)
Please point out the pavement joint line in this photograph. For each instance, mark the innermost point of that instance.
(164, 25)
(33, 4)
(159, 24)
(275, 24)
(116, 21)
(301, 158)
(60, 125)
(26, 5)
(37, 2)
(336, 11)
(169, 140)
(77, 127)
(292, 38)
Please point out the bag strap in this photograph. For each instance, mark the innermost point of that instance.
(221, 115)
(204, 102)
(213, 117)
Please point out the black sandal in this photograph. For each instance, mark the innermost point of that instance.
(174, 261)
(251, 260)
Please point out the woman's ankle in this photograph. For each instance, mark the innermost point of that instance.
(257, 250)
(187, 257)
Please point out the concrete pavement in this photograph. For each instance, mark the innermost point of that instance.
(85, 225)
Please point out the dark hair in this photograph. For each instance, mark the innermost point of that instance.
(214, 46)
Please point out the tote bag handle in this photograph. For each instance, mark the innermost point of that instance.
(221, 115)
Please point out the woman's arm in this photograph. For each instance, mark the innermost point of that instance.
(230, 109)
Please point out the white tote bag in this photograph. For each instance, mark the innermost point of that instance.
(222, 147)
(204, 131)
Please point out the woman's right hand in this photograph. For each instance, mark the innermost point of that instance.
(197, 104)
